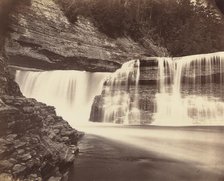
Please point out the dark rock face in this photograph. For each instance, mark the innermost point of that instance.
(96, 114)
(7, 84)
(41, 37)
(34, 142)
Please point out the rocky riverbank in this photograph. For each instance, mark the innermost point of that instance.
(35, 144)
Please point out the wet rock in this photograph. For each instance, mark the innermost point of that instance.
(28, 109)
(75, 150)
(52, 135)
(5, 164)
(11, 137)
(65, 139)
(29, 145)
(56, 131)
(18, 169)
(34, 177)
(65, 176)
(54, 179)
(19, 144)
(65, 132)
(26, 149)
(26, 157)
(3, 141)
(13, 161)
(5, 177)
(30, 164)
(20, 151)
(8, 110)
(97, 110)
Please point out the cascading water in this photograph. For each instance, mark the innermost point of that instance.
(191, 90)
(70, 92)
(120, 95)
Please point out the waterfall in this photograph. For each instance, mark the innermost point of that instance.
(120, 95)
(191, 90)
(70, 92)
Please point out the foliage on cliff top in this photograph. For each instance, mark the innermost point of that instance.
(181, 26)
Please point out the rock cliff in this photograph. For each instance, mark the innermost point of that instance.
(35, 144)
(42, 37)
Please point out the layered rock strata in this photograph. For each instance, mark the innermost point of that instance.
(42, 37)
(35, 144)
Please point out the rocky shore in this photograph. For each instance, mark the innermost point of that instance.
(35, 144)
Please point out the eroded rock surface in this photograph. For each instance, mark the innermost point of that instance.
(41, 37)
(34, 142)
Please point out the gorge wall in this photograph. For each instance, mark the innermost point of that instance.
(41, 37)
(35, 144)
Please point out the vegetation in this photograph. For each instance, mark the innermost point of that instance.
(181, 26)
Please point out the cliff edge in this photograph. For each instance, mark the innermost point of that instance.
(42, 37)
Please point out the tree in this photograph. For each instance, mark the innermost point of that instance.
(183, 27)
